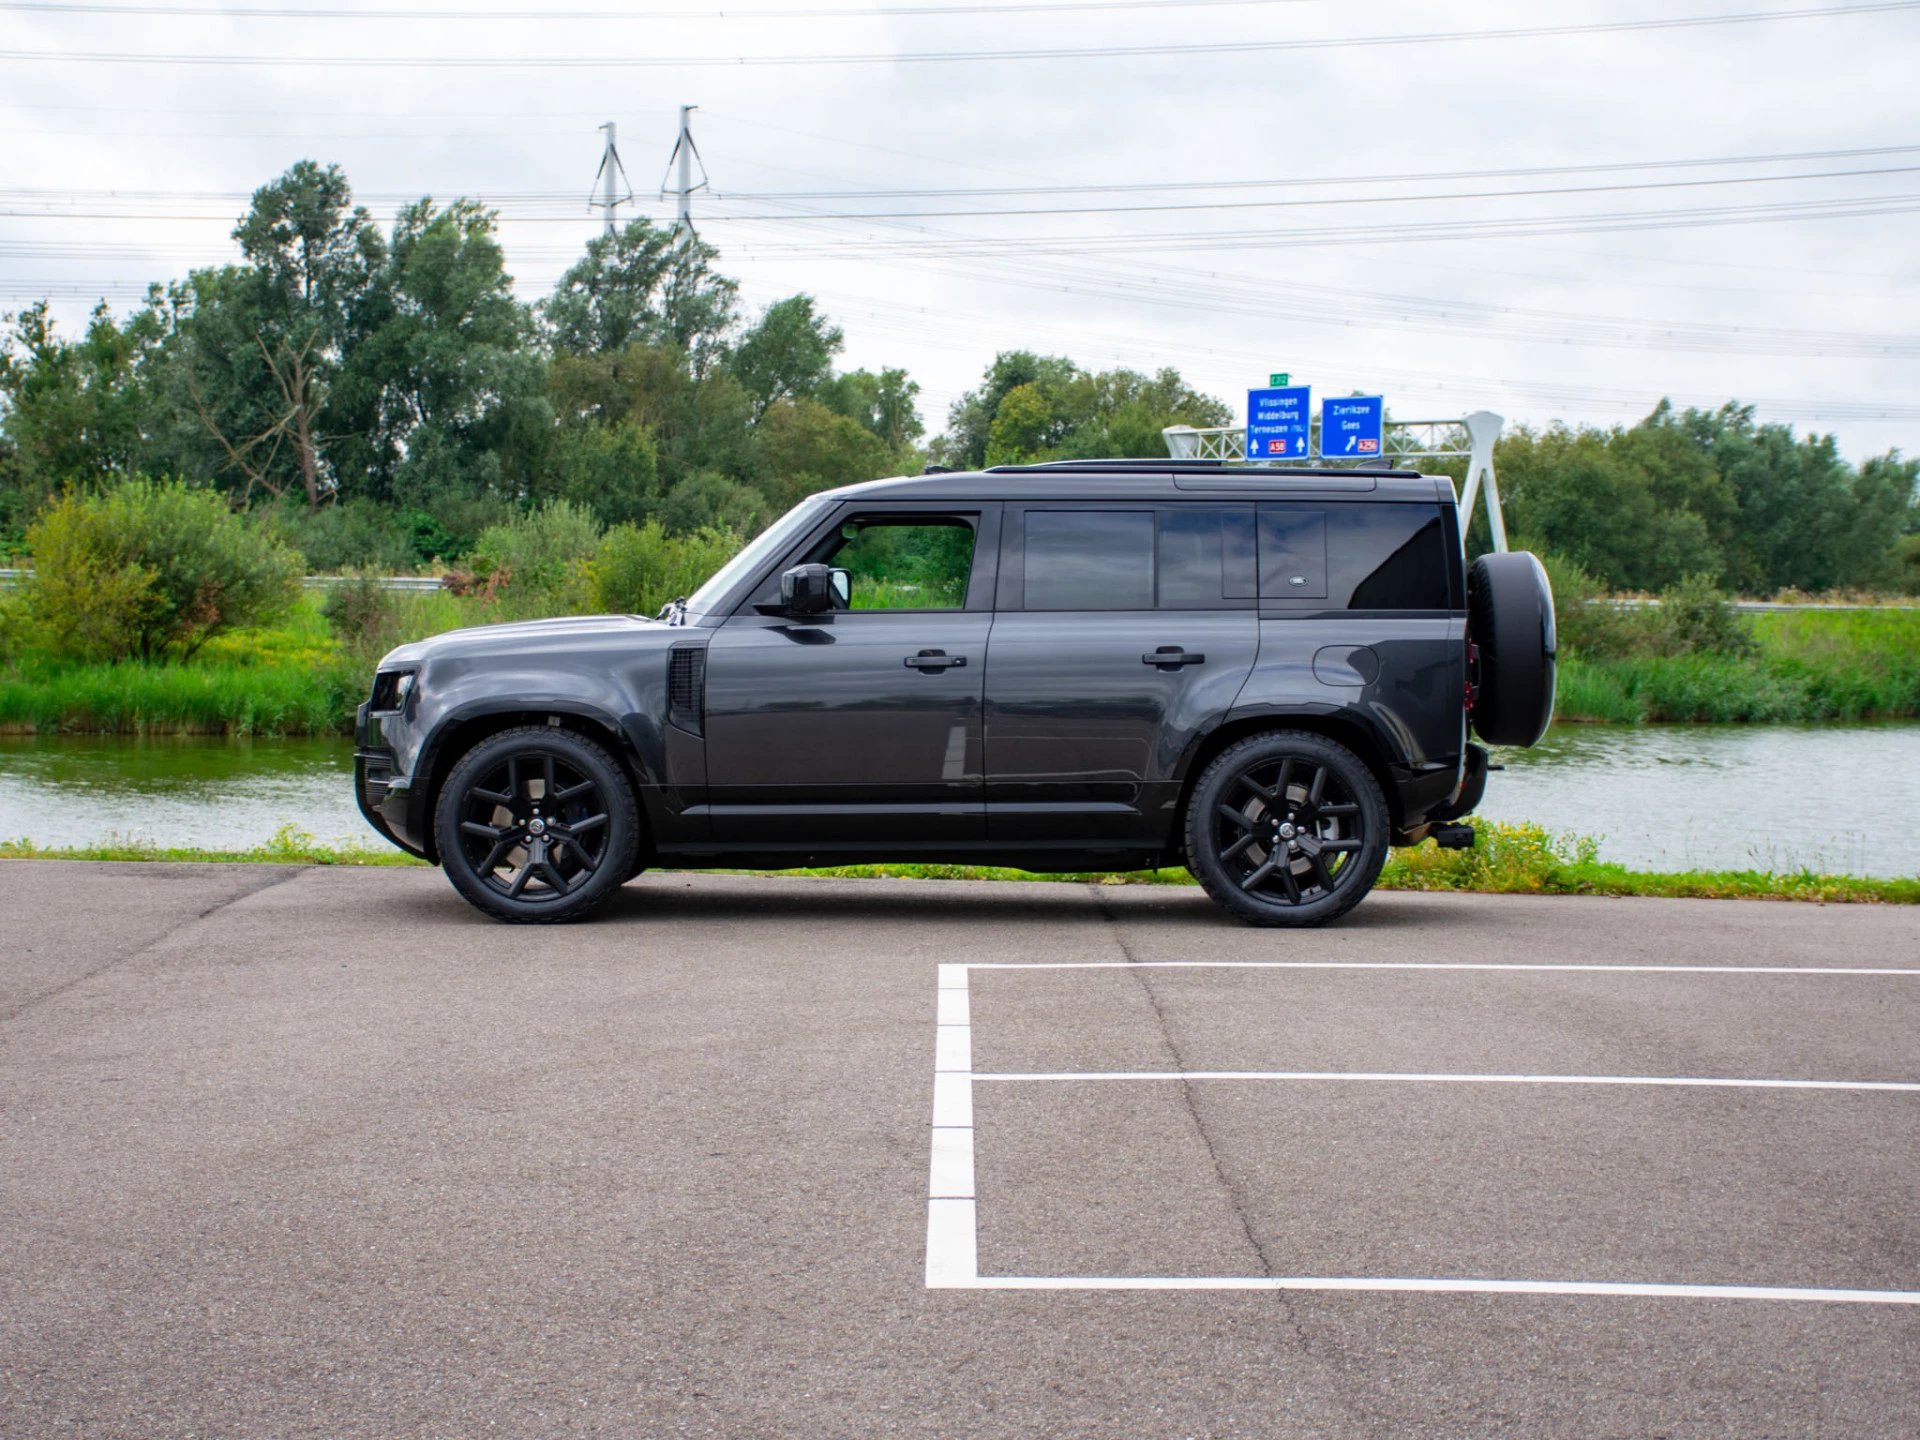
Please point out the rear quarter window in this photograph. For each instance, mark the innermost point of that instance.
(1370, 556)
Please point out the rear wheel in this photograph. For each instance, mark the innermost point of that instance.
(1287, 828)
(537, 824)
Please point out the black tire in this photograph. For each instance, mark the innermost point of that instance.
(1287, 788)
(537, 825)
(1510, 619)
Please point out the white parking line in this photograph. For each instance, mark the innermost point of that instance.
(1450, 1079)
(952, 1217)
(1421, 965)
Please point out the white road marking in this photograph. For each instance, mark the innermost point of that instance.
(1426, 965)
(952, 1177)
(952, 1261)
(1450, 1079)
(1444, 1287)
(953, 1049)
(952, 1224)
(952, 1248)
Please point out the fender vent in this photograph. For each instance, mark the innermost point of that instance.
(687, 689)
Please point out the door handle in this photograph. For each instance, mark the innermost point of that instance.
(1172, 657)
(930, 660)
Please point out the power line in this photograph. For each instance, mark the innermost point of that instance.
(237, 197)
(289, 12)
(1090, 52)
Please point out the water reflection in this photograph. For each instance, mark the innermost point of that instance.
(1837, 798)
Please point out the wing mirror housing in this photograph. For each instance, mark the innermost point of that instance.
(816, 589)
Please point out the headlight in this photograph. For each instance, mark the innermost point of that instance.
(390, 691)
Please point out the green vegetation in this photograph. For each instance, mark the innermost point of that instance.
(1507, 860)
(146, 571)
(355, 400)
(1694, 658)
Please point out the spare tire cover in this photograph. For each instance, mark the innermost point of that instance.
(1510, 617)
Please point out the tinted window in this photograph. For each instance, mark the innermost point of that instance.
(1293, 553)
(1089, 560)
(1206, 556)
(1390, 557)
(900, 564)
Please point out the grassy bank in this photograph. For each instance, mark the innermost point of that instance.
(299, 678)
(1807, 666)
(1507, 860)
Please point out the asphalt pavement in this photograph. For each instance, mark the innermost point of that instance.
(291, 1152)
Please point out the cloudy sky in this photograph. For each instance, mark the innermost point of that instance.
(1550, 225)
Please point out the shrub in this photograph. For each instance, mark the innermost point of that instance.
(638, 568)
(1696, 618)
(1586, 622)
(349, 535)
(364, 615)
(538, 553)
(149, 569)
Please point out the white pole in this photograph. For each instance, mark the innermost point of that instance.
(609, 163)
(684, 220)
(1483, 428)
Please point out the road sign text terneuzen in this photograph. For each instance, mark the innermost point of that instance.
(1352, 427)
(1279, 421)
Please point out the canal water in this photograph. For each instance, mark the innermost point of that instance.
(1837, 798)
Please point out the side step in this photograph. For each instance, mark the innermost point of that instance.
(1453, 837)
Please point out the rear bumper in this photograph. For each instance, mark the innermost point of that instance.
(384, 798)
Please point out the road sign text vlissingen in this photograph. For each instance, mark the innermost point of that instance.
(1279, 421)
(1353, 426)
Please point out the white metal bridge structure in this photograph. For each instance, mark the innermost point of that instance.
(1469, 438)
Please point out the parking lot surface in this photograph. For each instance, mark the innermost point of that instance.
(322, 1152)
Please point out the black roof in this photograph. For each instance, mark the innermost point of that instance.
(1138, 480)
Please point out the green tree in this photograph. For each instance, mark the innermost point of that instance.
(643, 286)
(884, 403)
(259, 345)
(1038, 407)
(72, 411)
(803, 447)
(787, 355)
(457, 417)
(611, 469)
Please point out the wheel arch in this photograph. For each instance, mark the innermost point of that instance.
(462, 729)
(1341, 727)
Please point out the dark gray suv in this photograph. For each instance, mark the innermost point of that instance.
(1265, 675)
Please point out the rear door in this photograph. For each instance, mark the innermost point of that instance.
(1121, 631)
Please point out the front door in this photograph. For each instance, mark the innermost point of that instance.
(1124, 632)
(861, 726)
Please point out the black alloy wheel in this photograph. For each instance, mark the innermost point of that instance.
(537, 825)
(1287, 828)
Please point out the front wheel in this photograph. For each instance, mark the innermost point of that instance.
(537, 824)
(1287, 828)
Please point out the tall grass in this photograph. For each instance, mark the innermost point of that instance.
(1809, 666)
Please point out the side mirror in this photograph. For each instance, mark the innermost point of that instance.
(814, 590)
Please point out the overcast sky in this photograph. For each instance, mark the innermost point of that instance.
(1799, 294)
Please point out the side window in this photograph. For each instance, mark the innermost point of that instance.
(1293, 553)
(1393, 557)
(1089, 560)
(1206, 556)
(898, 562)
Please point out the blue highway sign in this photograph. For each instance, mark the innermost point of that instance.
(1353, 427)
(1279, 421)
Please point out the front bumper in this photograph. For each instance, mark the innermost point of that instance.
(384, 798)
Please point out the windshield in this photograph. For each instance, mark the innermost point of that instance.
(775, 538)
